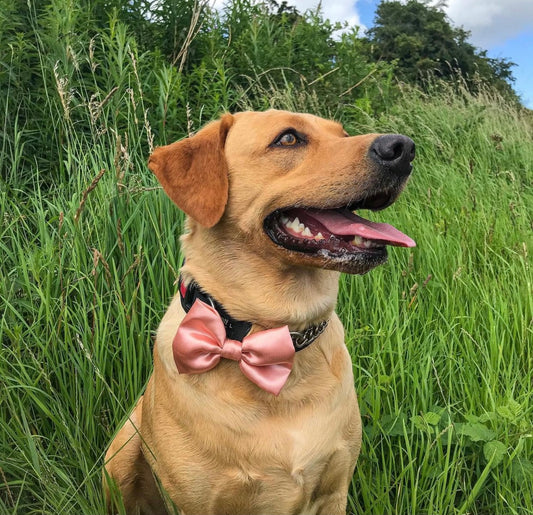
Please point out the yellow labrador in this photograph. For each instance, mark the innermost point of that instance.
(270, 199)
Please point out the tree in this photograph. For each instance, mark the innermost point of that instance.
(420, 38)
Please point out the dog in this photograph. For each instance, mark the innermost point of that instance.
(269, 198)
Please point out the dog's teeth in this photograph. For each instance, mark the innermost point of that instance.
(319, 236)
(357, 240)
(367, 244)
(307, 232)
(284, 219)
(295, 225)
(297, 228)
(291, 224)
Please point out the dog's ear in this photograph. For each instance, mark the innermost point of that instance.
(194, 173)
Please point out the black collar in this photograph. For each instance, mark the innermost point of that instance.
(238, 329)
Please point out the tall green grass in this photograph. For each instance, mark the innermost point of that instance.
(440, 336)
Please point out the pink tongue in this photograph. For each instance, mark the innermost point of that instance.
(346, 223)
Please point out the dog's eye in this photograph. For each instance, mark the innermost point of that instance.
(288, 138)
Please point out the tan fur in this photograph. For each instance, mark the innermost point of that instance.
(217, 443)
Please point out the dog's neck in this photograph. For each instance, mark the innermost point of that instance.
(252, 286)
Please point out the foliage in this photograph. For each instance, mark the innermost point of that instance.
(238, 57)
(198, 62)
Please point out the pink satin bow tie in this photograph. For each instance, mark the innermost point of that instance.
(265, 357)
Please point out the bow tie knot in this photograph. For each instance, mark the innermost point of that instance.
(264, 357)
(231, 349)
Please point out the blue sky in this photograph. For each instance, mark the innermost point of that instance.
(502, 27)
(519, 49)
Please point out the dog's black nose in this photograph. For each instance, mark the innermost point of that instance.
(393, 153)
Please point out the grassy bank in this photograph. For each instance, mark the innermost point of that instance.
(441, 336)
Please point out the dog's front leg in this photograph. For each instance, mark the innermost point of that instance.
(334, 504)
(332, 493)
(127, 474)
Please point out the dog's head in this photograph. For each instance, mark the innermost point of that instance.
(287, 184)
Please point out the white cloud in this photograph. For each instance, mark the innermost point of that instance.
(491, 22)
(341, 10)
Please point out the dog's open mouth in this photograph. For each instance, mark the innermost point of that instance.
(346, 240)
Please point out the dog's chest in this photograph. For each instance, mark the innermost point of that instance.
(283, 464)
(249, 460)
